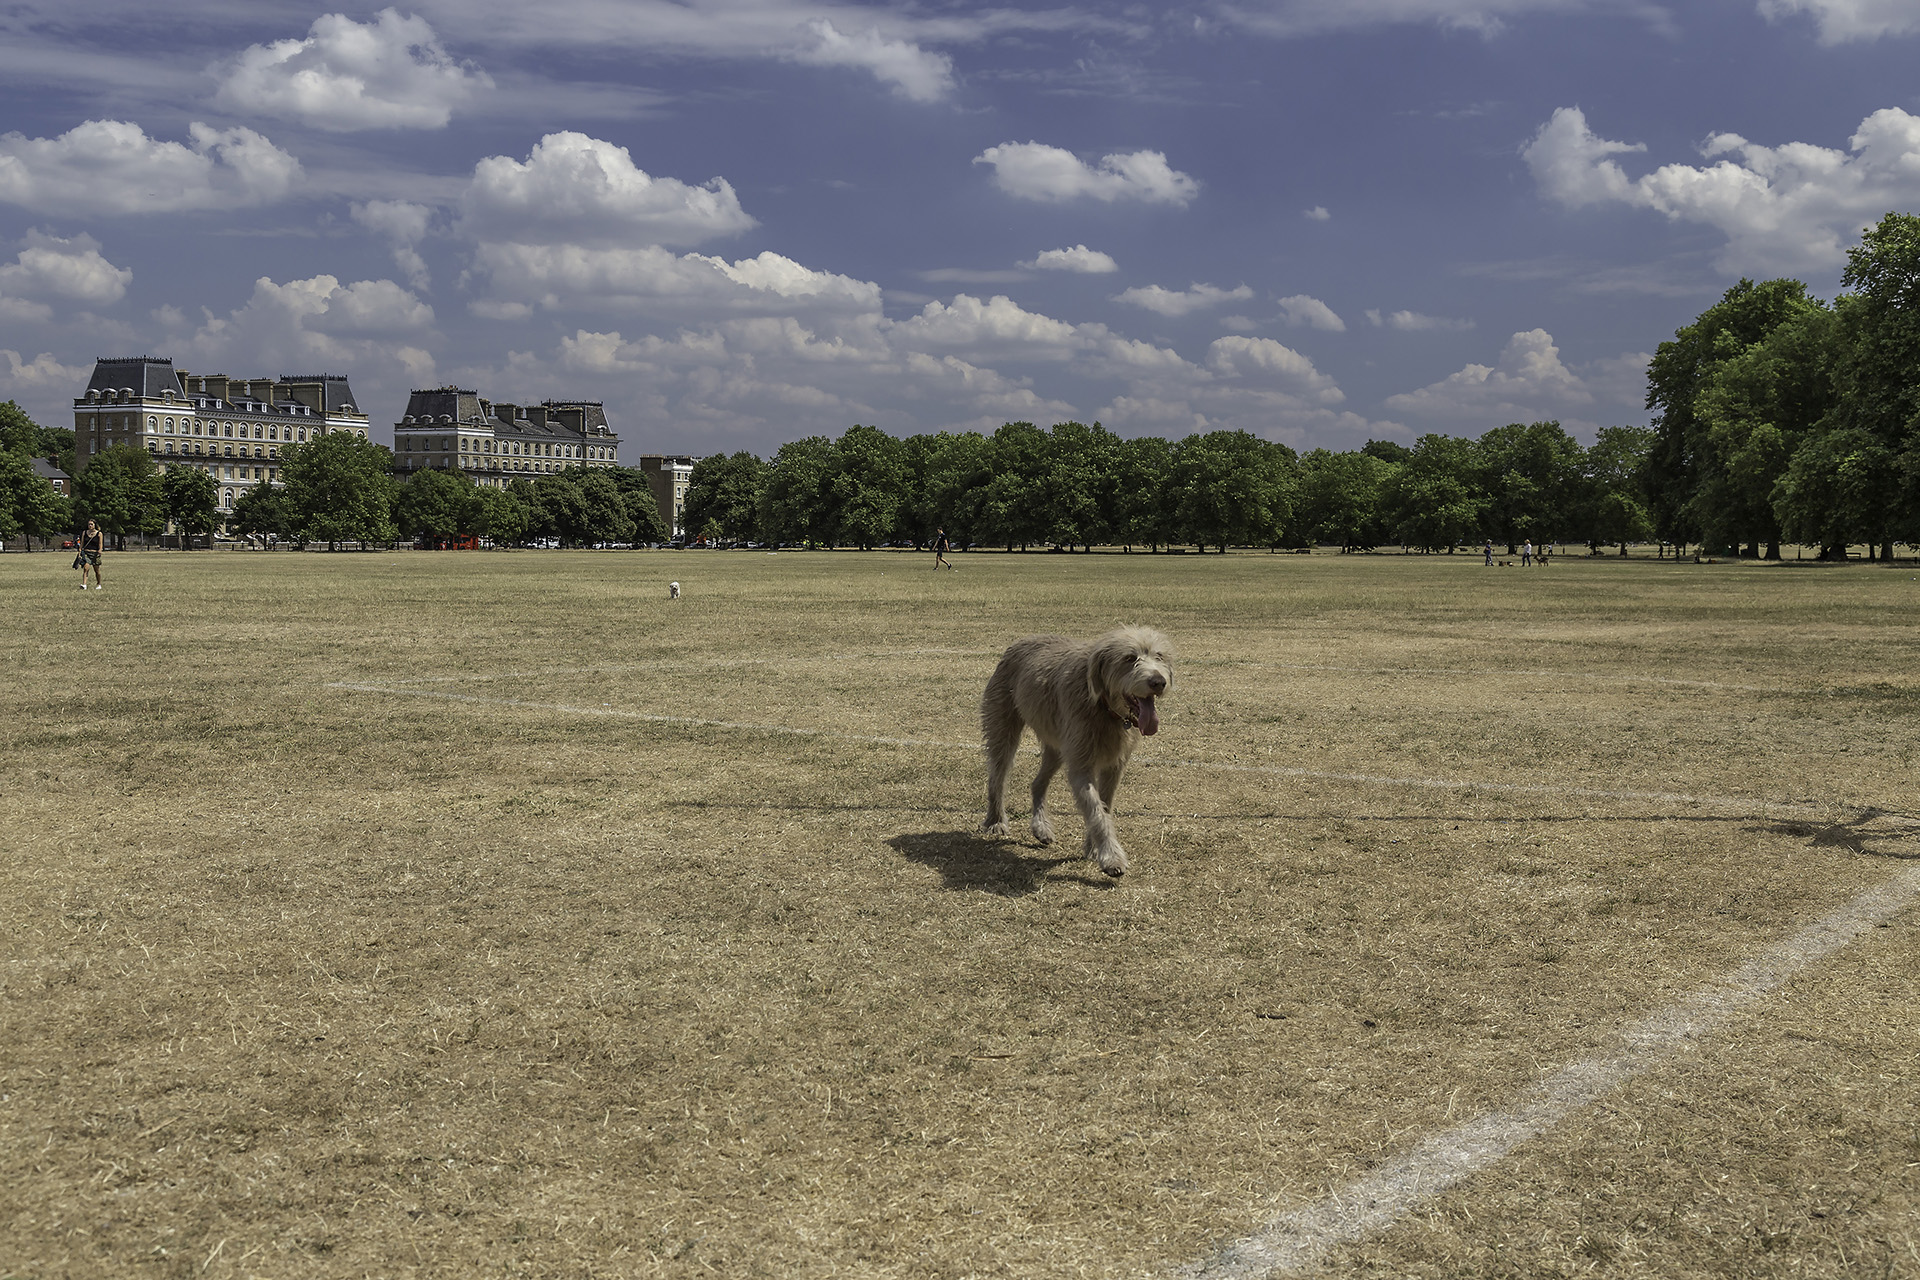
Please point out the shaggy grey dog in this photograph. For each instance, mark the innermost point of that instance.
(1088, 704)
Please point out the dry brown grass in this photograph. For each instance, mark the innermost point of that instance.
(301, 981)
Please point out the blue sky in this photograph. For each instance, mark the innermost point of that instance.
(740, 223)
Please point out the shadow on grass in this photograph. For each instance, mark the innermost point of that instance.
(967, 860)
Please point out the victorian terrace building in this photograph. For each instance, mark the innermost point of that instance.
(495, 443)
(231, 428)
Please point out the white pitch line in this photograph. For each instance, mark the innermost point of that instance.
(1502, 672)
(1299, 1240)
(1738, 804)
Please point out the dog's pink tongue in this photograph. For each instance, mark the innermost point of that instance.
(1149, 718)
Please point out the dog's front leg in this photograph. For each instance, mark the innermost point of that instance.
(1050, 759)
(1101, 845)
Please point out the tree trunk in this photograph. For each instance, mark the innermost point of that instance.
(1773, 549)
(1886, 552)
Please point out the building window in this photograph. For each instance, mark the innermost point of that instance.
(226, 498)
(152, 421)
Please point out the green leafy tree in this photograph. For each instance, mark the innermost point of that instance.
(1341, 496)
(642, 508)
(503, 516)
(1612, 506)
(1840, 488)
(436, 505)
(1233, 489)
(561, 509)
(1753, 410)
(1528, 477)
(17, 480)
(796, 504)
(603, 512)
(956, 469)
(191, 500)
(1080, 485)
(339, 489)
(1877, 355)
(1683, 456)
(18, 433)
(1431, 501)
(724, 492)
(120, 488)
(869, 480)
(1011, 507)
(259, 510)
(1145, 502)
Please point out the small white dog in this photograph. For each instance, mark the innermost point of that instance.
(673, 591)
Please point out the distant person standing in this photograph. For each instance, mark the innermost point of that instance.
(1487, 550)
(92, 544)
(1526, 553)
(940, 549)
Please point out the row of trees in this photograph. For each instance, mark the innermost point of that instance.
(1077, 485)
(335, 489)
(1779, 416)
(339, 488)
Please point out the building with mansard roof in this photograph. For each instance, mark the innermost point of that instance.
(495, 442)
(231, 428)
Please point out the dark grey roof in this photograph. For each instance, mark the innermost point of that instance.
(147, 375)
(47, 471)
(337, 394)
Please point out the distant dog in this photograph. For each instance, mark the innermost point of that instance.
(673, 591)
(1088, 704)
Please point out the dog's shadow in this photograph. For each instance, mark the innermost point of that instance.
(970, 861)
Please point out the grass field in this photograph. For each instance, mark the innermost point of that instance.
(362, 922)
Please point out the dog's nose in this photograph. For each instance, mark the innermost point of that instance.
(1158, 684)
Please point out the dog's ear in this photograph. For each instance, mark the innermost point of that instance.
(1099, 668)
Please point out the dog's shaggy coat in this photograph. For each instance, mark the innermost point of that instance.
(1088, 704)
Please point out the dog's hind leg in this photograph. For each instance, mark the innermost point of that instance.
(1000, 726)
(1050, 759)
(1101, 844)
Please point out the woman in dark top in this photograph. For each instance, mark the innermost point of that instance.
(92, 543)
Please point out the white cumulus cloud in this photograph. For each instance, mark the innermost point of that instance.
(1035, 171)
(1301, 309)
(1794, 207)
(391, 73)
(559, 276)
(913, 72)
(1317, 214)
(1414, 321)
(577, 190)
(321, 323)
(1241, 357)
(1843, 20)
(72, 270)
(1078, 259)
(1528, 383)
(1169, 302)
(404, 225)
(113, 167)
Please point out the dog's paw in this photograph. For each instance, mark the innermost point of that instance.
(1042, 828)
(999, 828)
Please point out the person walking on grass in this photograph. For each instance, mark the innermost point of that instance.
(940, 549)
(1526, 553)
(92, 543)
(1488, 550)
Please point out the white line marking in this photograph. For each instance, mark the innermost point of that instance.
(1738, 804)
(1301, 1239)
(1495, 671)
(704, 664)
